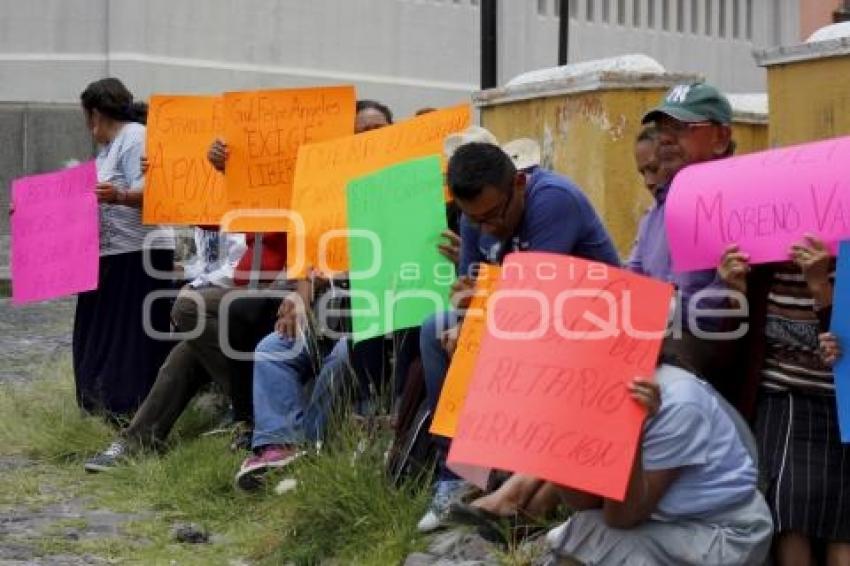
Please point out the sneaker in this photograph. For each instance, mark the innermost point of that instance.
(109, 459)
(250, 475)
(446, 492)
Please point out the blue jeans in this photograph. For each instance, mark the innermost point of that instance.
(435, 366)
(435, 360)
(282, 368)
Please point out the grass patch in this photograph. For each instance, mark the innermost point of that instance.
(343, 510)
(41, 419)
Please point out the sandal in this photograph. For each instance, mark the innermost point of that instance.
(492, 527)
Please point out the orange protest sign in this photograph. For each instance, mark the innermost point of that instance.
(323, 170)
(549, 395)
(181, 187)
(463, 360)
(264, 130)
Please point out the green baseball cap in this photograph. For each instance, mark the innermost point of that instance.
(695, 102)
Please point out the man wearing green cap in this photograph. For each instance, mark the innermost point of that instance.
(692, 124)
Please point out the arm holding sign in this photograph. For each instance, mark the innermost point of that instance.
(130, 164)
(646, 488)
(462, 291)
(449, 338)
(813, 258)
(469, 252)
(450, 247)
(107, 193)
(733, 269)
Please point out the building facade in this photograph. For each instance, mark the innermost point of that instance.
(409, 53)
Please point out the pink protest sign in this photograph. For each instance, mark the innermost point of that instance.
(54, 234)
(763, 202)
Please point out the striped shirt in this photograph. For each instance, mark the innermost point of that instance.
(793, 361)
(121, 229)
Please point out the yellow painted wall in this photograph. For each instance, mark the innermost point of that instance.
(590, 137)
(809, 100)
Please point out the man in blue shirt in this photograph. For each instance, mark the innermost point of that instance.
(503, 211)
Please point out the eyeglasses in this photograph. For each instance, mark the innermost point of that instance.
(677, 128)
(493, 218)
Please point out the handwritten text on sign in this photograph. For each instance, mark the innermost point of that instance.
(181, 186)
(264, 130)
(324, 169)
(549, 394)
(762, 201)
(840, 326)
(54, 234)
(453, 393)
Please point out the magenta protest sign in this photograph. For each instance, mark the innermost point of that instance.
(763, 202)
(54, 234)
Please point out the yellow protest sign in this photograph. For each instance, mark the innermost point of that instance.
(461, 369)
(323, 170)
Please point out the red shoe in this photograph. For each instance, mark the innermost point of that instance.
(269, 457)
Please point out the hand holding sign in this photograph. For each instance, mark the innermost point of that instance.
(734, 266)
(813, 258)
(550, 394)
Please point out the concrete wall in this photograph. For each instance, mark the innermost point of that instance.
(807, 102)
(37, 138)
(589, 136)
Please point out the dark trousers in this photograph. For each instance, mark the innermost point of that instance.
(195, 362)
(115, 358)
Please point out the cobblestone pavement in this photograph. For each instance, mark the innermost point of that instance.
(29, 336)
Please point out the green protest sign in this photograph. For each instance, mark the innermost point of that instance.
(395, 218)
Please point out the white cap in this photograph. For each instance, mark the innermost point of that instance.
(473, 134)
(524, 152)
